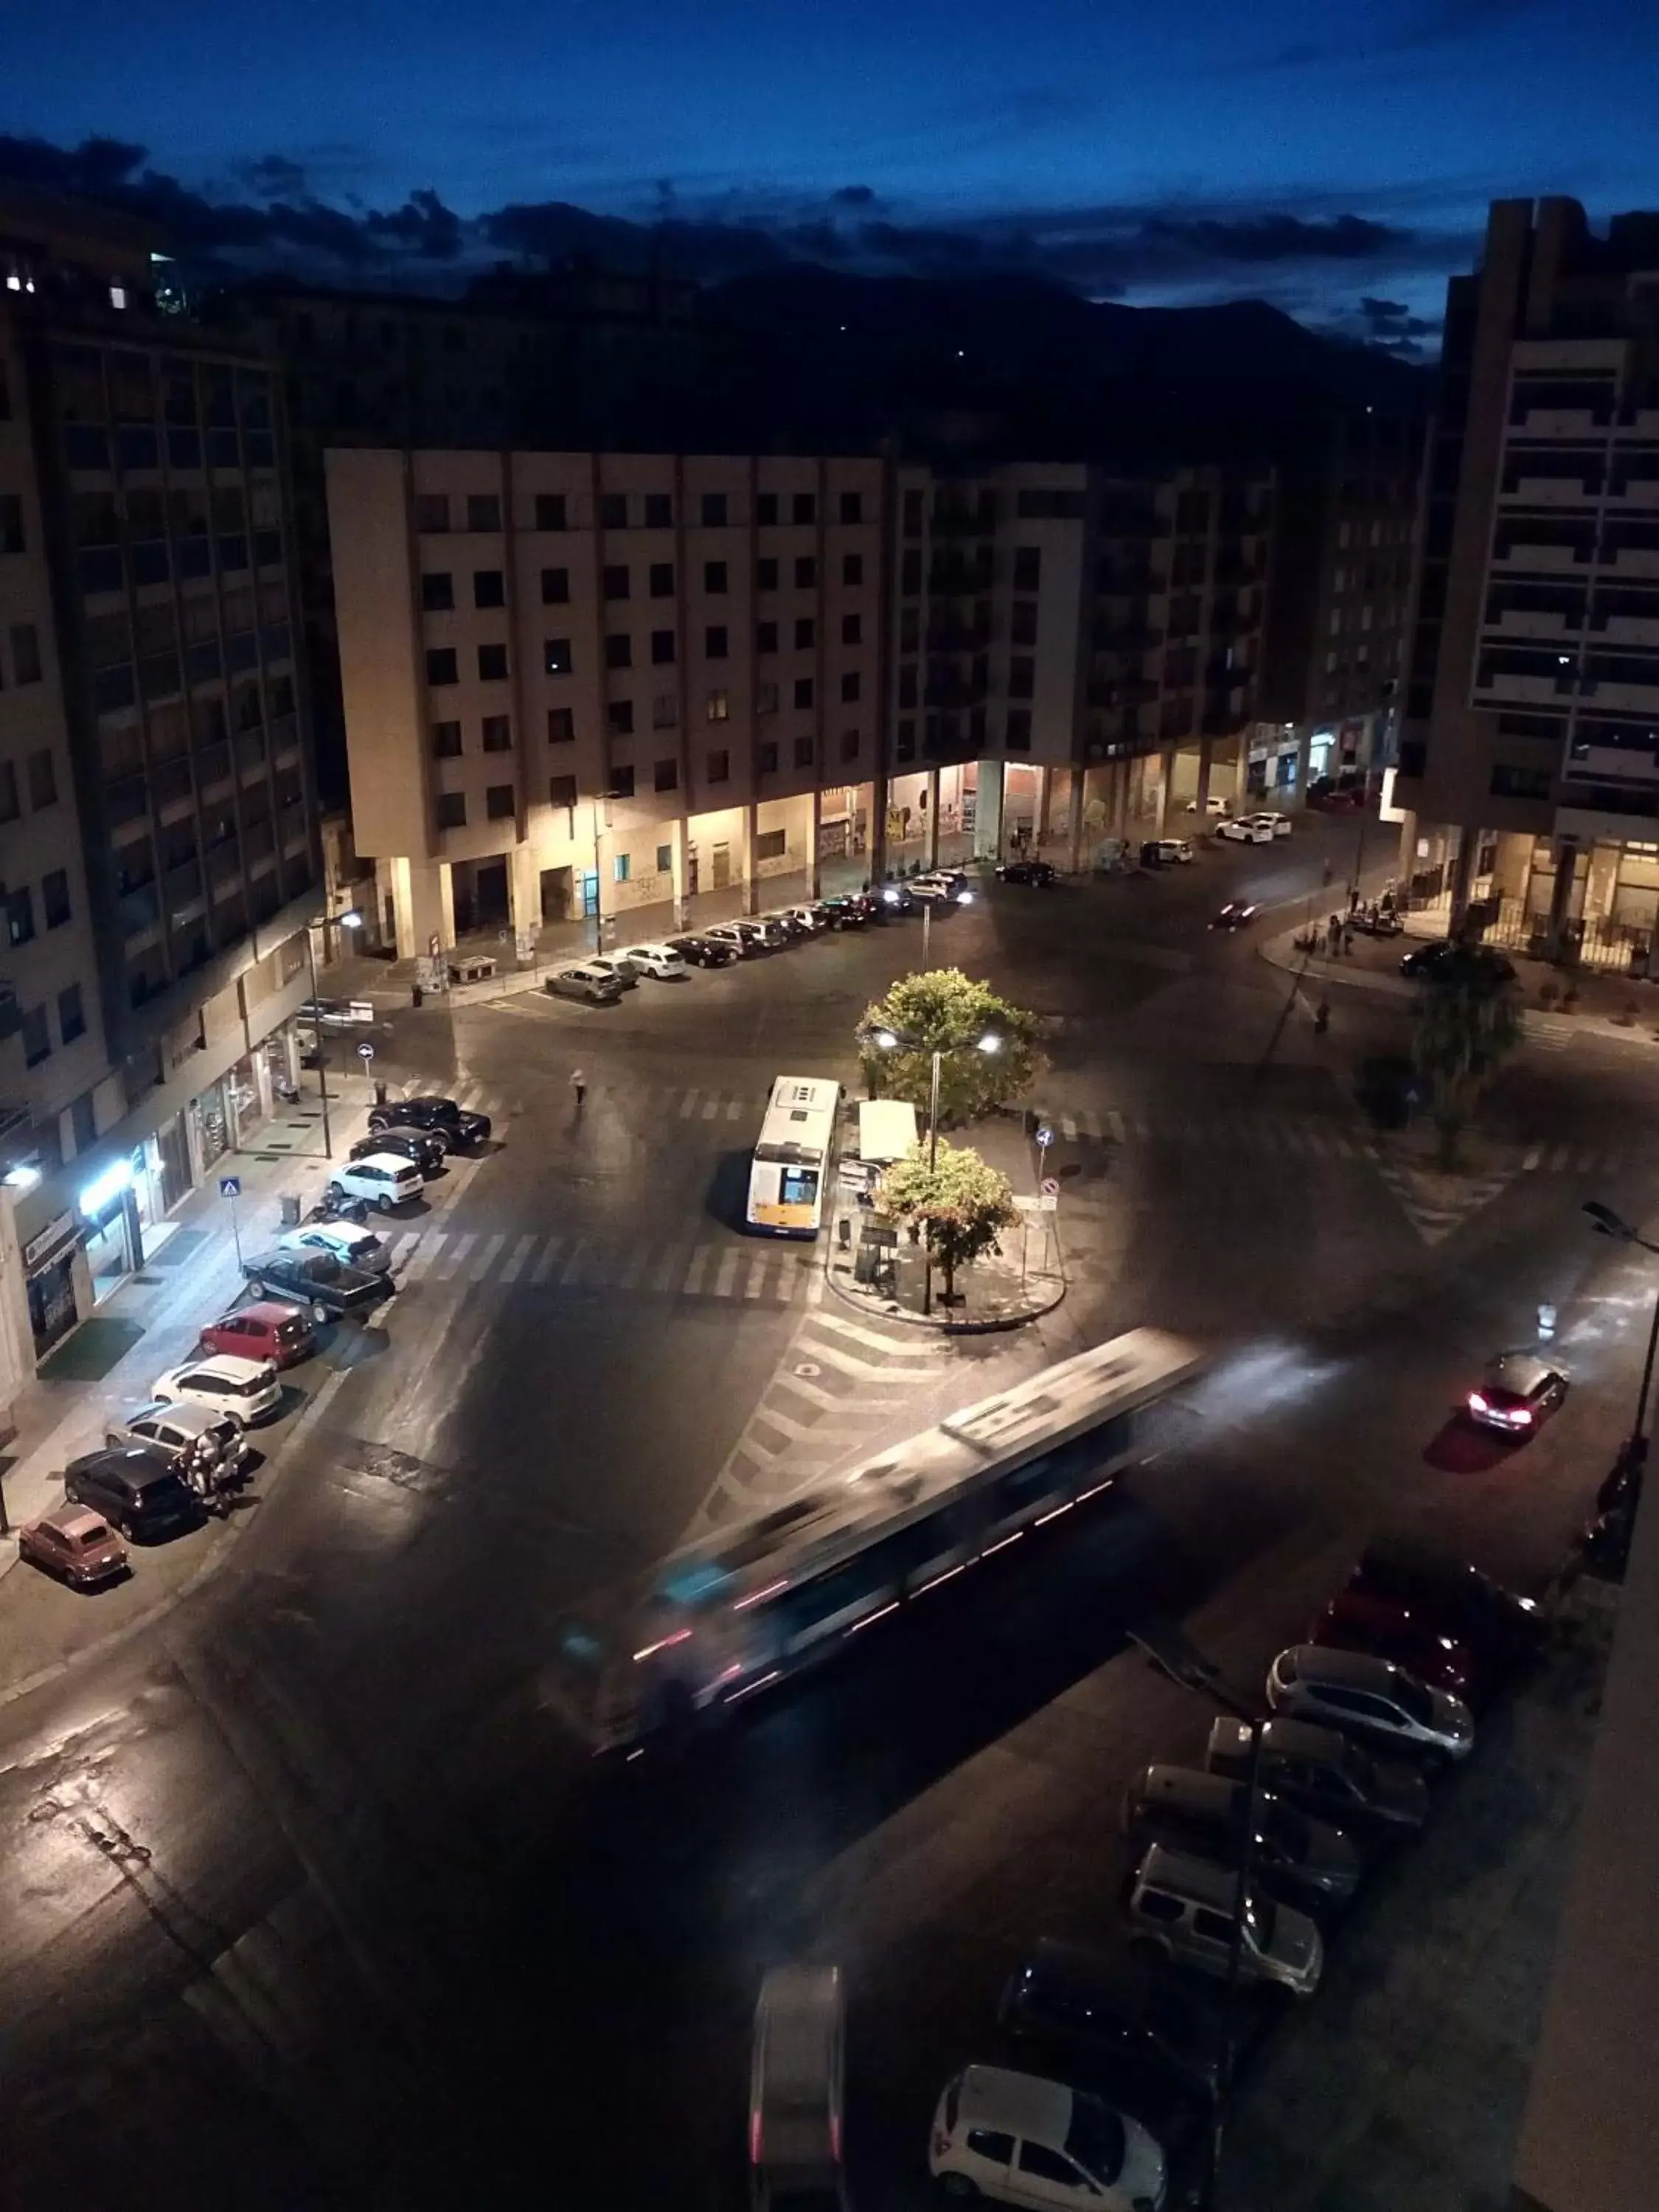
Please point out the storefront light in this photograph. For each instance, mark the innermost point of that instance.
(21, 1177)
(103, 1190)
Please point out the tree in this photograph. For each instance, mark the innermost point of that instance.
(1469, 1023)
(961, 1204)
(944, 1011)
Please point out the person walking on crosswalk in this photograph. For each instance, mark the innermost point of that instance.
(579, 1086)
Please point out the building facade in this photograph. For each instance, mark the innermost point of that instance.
(1530, 755)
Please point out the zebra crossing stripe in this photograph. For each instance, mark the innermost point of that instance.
(734, 1111)
(426, 1251)
(543, 1267)
(486, 1260)
(1535, 1153)
(521, 1252)
(571, 1271)
(757, 1282)
(728, 1273)
(687, 1105)
(452, 1258)
(1068, 1128)
(694, 1273)
(1114, 1123)
(1559, 1157)
(634, 1269)
(711, 1110)
(671, 1261)
(400, 1247)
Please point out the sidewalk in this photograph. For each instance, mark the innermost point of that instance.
(154, 1318)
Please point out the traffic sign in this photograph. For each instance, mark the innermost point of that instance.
(1045, 1135)
(365, 1052)
(230, 1186)
(1050, 1187)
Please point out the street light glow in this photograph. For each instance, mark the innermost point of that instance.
(351, 919)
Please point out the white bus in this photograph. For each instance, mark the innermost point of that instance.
(727, 1616)
(791, 1170)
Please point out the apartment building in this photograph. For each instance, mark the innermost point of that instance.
(1530, 755)
(156, 830)
(581, 684)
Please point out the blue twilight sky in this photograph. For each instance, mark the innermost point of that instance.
(1318, 157)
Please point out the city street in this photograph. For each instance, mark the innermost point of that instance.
(313, 1897)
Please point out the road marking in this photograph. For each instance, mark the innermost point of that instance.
(757, 1282)
(825, 1401)
(1535, 1153)
(634, 1269)
(486, 1260)
(1114, 1123)
(400, 1246)
(895, 1346)
(1068, 1128)
(452, 1259)
(573, 1266)
(521, 1252)
(711, 1110)
(734, 1111)
(694, 1273)
(427, 1250)
(687, 1105)
(1559, 1158)
(671, 1261)
(543, 1267)
(728, 1273)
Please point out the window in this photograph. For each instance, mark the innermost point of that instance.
(560, 726)
(1019, 729)
(805, 632)
(622, 867)
(1028, 568)
(713, 510)
(11, 522)
(71, 1020)
(484, 511)
(803, 752)
(771, 844)
(24, 653)
(10, 809)
(766, 699)
(43, 780)
(619, 717)
(904, 744)
(803, 508)
(807, 572)
(851, 507)
(662, 579)
(437, 591)
(446, 741)
(802, 690)
(719, 706)
(766, 575)
(431, 511)
(621, 784)
(849, 687)
(766, 757)
(550, 510)
(659, 511)
(37, 1038)
(666, 776)
(849, 744)
(498, 802)
(907, 691)
(766, 509)
(665, 711)
(713, 641)
(615, 582)
(990, 2143)
(851, 568)
(55, 898)
(556, 655)
(1520, 782)
(489, 588)
(492, 664)
(19, 916)
(766, 637)
(910, 571)
(441, 665)
(1025, 626)
(1036, 2158)
(562, 791)
(451, 810)
(613, 510)
(556, 588)
(713, 575)
(851, 629)
(619, 650)
(719, 767)
(662, 647)
(1022, 677)
(498, 733)
(664, 860)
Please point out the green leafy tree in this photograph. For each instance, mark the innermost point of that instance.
(960, 1203)
(943, 1009)
(1467, 1024)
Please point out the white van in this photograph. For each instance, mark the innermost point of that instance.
(795, 2091)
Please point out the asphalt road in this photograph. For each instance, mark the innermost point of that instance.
(312, 1898)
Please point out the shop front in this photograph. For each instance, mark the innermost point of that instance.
(108, 1207)
(58, 1282)
(208, 1122)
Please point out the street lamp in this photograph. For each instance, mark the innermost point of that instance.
(1609, 1223)
(890, 1041)
(322, 1053)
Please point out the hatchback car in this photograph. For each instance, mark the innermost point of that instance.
(265, 1330)
(808, 919)
(1212, 806)
(1280, 824)
(704, 951)
(136, 1490)
(1209, 1815)
(1237, 913)
(1038, 873)
(1324, 1773)
(1167, 853)
(1245, 830)
(1186, 1909)
(660, 961)
(420, 1147)
(587, 984)
(359, 1247)
(1111, 2021)
(76, 1543)
(763, 934)
(246, 1389)
(379, 1179)
(456, 1124)
(1424, 962)
(616, 964)
(942, 887)
(740, 946)
(181, 1435)
(1518, 1392)
(1352, 1623)
(796, 2071)
(1371, 1697)
(855, 911)
(1504, 1629)
(1018, 2139)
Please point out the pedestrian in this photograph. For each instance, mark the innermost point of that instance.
(579, 1085)
(1353, 900)
(1326, 877)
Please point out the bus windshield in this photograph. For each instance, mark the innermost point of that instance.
(786, 1178)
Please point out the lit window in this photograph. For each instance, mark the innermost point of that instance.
(118, 295)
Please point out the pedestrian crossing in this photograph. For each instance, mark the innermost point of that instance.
(737, 1273)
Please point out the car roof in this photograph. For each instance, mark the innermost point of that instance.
(179, 1412)
(75, 1521)
(1186, 1785)
(268, 1310)
(231, 1366)
(1293, 1739)
(1019, 2104)
(1051, 1965)
(1206, 1881)
(1324, 1663)
(1523, 1372)
(393, 1162)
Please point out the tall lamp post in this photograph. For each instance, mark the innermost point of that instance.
(1609, 1223)
(349, 920)
(890, 1041)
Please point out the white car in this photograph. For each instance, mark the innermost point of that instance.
(660, 961)
(1246, 830)
(733, 938)
(1018, 2139)
(802, 917)
(943, 885)
(383, 1179)
(1371, 1698)
(248, 1390)
(1279, 823)
(342, 1240)
(1211, 805)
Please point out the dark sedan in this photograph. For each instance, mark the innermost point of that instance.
(442, 1117)
(893, 899)
(1501, 1629)
(425, 1149)
(136, 1490)
(1424, 961)
(1237, 913)
(703, 951)
(315, 1279)
(854, 911)
(1039, 873)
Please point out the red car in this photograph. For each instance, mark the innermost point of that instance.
(265, 1330)
(76, 1543)
(1410, 1638)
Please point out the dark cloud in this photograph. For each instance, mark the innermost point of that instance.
(275, 177)
(854, 195)
(1421, 30)
(1281, 238)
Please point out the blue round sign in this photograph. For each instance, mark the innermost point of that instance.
(1045, 1136)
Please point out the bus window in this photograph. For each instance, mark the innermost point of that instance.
(799, 1187)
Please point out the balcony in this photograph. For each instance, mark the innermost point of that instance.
(1623, 697)
(1545, 622)
(293, 827)
(952, 691)
(1559, 423)
(954, 523)
(1627, 629)
(1121, 692)
(958, 579)
(1126, 637)
(959, 637)
(181, 884)
(258, 841)
(1545, 560)
(1523, 691)
(1636, 491)
(1634, 560)
(1553, 491)
(1129, 583)
(171, 781)
(138, 910)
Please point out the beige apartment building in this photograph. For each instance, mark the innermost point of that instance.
(579, 685)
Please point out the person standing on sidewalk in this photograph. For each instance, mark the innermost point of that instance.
(579, 1086)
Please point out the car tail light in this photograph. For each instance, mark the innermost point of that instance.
(754, 2139)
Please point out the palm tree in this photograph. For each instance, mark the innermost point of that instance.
(1468, 1022)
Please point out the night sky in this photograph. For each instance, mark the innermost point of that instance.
(1155, 155)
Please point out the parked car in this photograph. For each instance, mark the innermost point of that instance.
(1518, 1392)
(894, 900)
(245, 1390)
(362, 1249)
(740, 946)
(380, 1179)
(1237, 913)
(267, 1329)
(1208, 1815)
(336, 1013)
(1212, 806)
(135, 1491)
(1188, 1910)
(808, 919)
(1370, 1698)
(1349, 1623)
(1324, 1773)
(1167, 853)
(615, 964)
(1280, 824)
(763, 934)
(942, 887)
(1039, 873)
(420, 1147)
(76, 1543)
(588, 984)
(456, 1126)
(1112, 2022)
(1425, 961)
(1018, 2139)
(853, 911)
(1245, 830)
(1504, 1629)
(704, 951)
(660, 961)
(185, 1438)
(796, 2071)
(317, 1280)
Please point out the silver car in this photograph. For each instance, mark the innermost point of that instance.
(185, 1436)
(1370, 1698)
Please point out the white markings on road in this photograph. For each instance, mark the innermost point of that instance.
(521, 1252)
(572, 1270)
(486, 1260)
(728, 1273)
(756, 1283)
(452, 1259)
(687, 1105)
(1114, 1123)
(426, 1251)
(694, 1273)
(543, 1267)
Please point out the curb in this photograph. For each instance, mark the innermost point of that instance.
(993, 1325)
